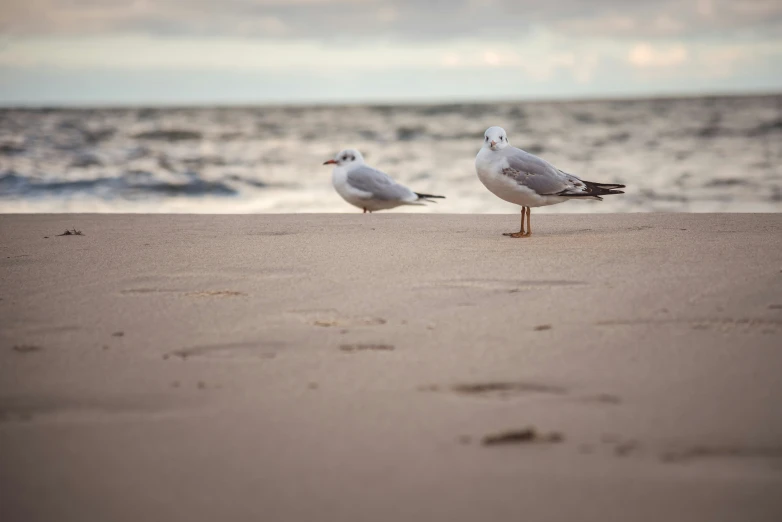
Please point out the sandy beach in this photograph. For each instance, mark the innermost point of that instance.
(389, 367)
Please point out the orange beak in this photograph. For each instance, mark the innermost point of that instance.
(330, 162)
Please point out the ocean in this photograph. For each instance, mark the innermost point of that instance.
(708, 154)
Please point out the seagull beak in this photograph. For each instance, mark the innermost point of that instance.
(330, 162)
(493, 143)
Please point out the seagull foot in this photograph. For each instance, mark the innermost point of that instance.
(516, 234)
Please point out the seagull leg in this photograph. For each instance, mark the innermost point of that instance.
(520, 233)
(529, 223)
(365, 210)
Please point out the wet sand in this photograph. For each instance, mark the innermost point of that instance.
(391, 367)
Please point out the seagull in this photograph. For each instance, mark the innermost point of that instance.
(368, 188)
(524, 179)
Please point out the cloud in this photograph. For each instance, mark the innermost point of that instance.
(706, 62)
(644, 55)
(541, 57)
(304, 19)
(691, 19)
(623, 25)
(414, 20)
(496, 47)
(492, 58)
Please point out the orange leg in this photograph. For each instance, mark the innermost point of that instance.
(525, 212)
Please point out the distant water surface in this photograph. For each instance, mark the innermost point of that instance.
(711, 154)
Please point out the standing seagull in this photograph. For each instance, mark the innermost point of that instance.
(368, 188)
(521, 178)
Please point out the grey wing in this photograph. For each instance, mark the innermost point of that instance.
(539, 175)
(379, 184)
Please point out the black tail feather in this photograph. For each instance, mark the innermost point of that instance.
(606, 185)
(595, 190)
(425, 196)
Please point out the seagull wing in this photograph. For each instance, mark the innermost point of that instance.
(540, 176)
(379, 185)
(546, 180)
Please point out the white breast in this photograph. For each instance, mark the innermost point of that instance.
(339, 179)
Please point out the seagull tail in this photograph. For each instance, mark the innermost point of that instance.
(609, 188)
(595, 190)
(427, 197)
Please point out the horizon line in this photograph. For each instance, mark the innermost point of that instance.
(680, 95)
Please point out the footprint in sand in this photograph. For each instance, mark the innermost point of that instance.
(497, 285)
(192, 284)
(602, 398)
(26, 348)
(366, 347)
(52, 329)
(500, 390)
(619, 446)
(273, 233)
(522, 436)
(216, 293)
(722, 324)
(132, 291)
(244, 351)
(642, 227)
(61, 407)
(186, 293)
(700, 452)
(512, 389)
(329, 317)
(683, 453)
(183, 281)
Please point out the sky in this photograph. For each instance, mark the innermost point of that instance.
(185, 52)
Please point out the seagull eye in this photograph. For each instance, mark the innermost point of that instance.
(344, 158)
(352, 158)
(487, 138)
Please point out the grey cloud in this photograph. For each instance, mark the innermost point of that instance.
(356, 20)
(680, 19)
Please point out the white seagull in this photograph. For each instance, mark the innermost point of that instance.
(524, 179)
(368, 188)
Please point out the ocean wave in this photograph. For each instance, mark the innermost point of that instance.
(10, 148)
(131, 184)
(169, 135)
(716, 153)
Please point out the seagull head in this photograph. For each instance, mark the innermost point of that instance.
(495, 138)
(347, 157)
